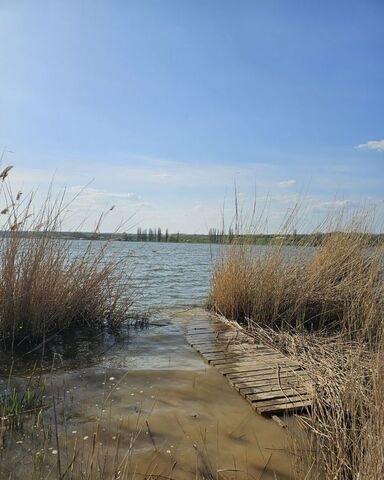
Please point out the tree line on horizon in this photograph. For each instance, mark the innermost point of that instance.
(215, 235)
(155, 235)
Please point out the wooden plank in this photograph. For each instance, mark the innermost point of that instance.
(202, 330)
(252, 375)
(283, 375)
(219, 347)
(256, 353)
(268, 392)
(260, 355)
(269, 380)
(255, 366)
(209, 344)
(248, 387)
(265, 380)
(214, 343)
(276, 394)
(252, 366)
(225, 336)
(227, 358)
(283, 406)
(239, 359)
(207, 349)
(280, 401)
(278, 420)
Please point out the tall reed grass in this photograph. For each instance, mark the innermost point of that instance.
(45, 286)
(337, 286)
(325, 307)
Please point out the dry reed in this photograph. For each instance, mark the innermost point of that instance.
(336, 287)
(45, 286)
(324, 307)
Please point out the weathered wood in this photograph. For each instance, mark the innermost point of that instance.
(277, 394)
(255, 365)
(284, 406)
(294, 399)
(253, 387)
(271, 382)
(260, 375)
(227, 358)
(233, 354)
(278, 420)
(270, 387)
(274, 372)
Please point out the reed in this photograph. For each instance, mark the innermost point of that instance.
(46, 285)
(324, 307)
(335, 287)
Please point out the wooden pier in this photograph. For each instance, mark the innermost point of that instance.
(270, 381)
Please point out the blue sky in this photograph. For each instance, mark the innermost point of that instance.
(158, 107)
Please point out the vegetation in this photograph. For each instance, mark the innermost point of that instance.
(339, 287)
(324, 307)
(20, 401)
(45, 286)
(213, 236)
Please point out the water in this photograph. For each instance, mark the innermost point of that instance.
(169, 274)
(173, 414)
(174, 274)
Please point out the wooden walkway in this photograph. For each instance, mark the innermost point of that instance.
(270, 381)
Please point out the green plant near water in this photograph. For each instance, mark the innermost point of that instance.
(21, 400)
(45, 286)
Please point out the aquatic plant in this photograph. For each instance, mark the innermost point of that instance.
(20, 400)
(325, 307)
(46, 285)
(336, 287)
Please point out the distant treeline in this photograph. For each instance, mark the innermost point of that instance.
(214, 236)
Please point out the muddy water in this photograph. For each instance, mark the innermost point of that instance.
(157, 409)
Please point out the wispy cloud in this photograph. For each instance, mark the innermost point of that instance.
(287, 183)
(334, 205)
(93, 194)
(161, 176)
(377, 145)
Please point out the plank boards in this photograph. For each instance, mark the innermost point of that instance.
(270, 381)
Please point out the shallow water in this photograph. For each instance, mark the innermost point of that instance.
(172, 412)
(153, 402)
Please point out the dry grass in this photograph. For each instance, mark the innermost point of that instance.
(342, 434)
(325, 307)
(337, 287)
(45, 286)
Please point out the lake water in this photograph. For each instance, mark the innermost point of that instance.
(173, 274)
(168, 274)
(174, 416)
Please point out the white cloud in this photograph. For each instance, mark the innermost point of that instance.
(93, 194)
(377, 145)
(182, 197)
(287, 183)
(161, 176)
(334, 205)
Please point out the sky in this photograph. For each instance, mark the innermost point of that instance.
(159, 107)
